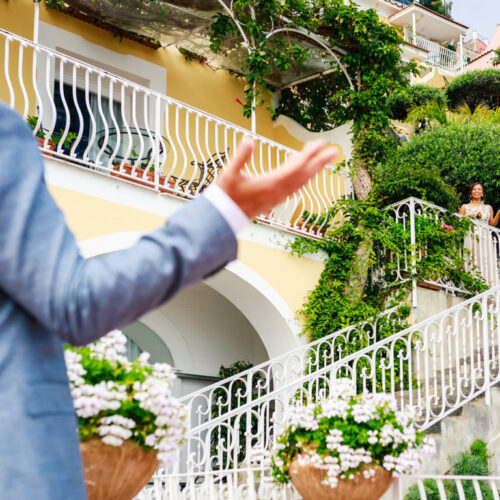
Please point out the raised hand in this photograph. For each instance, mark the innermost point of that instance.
(257, 195)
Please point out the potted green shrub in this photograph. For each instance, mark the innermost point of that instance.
(142, 175)
(54, 140)
(40, 134)
(348, 446)
(128, 421)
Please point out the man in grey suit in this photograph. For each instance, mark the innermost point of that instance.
(50, 295)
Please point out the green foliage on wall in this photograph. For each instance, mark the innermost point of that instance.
(329, 307)
(475, 88)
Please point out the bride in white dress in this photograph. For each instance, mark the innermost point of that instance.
(481, 243)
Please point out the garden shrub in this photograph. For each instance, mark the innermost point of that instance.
(475, 88)
(471, 463)
(401, 101)
(461, 153)
(396, 181)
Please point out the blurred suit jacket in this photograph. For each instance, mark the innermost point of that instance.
(50, 295)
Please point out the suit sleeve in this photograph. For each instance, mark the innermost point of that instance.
(42, 270)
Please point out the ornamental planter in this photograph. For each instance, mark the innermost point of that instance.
(308, 227)
(116, 472)
(51, 145)
(142, 177)
(307, 479)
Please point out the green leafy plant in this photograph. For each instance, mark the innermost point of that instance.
(68, 140)
(402, 100)
(471, 463)
(399, 180)
(191, 56)
(32, 121)
(53, 4)
(461, 153)
(475, 88)
(496, 57)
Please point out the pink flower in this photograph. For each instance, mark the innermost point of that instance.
(448, 228)
(238, 100)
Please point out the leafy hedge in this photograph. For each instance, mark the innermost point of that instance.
(471, 463)
(434, 164)
(401, 101)
(475, 88)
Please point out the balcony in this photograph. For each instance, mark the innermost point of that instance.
(108, 125)
(439, 56)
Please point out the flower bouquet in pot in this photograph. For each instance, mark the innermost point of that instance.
(348, 446)
(128, 421)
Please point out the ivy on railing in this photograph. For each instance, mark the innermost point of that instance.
(438, 254)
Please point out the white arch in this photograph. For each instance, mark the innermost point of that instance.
(260, 303)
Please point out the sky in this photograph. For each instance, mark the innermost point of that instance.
(483, 15)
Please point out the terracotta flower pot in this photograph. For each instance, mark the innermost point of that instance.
(51, 145)
(116, 472)
(140, 175)
(307, 479)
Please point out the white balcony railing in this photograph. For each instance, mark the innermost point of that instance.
(98, 120)
(439, 56)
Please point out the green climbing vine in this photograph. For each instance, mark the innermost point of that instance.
(362, 57)
(439, 252)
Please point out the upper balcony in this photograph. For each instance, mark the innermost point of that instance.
(434, 34)
(111, 126)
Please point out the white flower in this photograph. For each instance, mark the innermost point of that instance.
(334, 439)
(144, 357)
(100, 400)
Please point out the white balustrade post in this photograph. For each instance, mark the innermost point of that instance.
(486, 348)
(461, 53)
(254, 110)
(36, 21)
(396, 489)
(158, 132)
(414, 26)
(413, 251)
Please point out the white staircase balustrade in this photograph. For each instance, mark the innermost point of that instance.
(92, 118)
(236, 484)
(256, 484)
(484, 245)
(213, 402)
(433, 367)
(464, 487)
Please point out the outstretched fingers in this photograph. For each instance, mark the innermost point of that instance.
(306, 164)
(243, 154)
